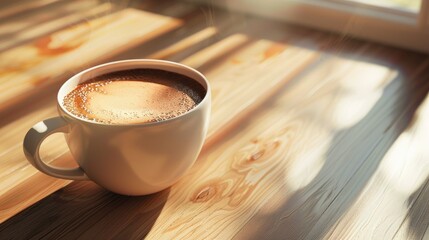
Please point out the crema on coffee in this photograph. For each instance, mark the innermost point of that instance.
(134, 96)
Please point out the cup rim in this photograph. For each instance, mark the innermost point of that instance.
(161, 62)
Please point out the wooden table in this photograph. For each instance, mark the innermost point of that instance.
(312, 136)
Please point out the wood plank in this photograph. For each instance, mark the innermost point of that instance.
(21, 197)
(18, 7)
(16, 24)
(106, 216)
(191, 37)
(25, 70)
(330, 181)
(238, 61)
(387, 206)
(238, 180)
(255, 52)
(311, 137)
(415, 225)
(18, 175)
(15, 168)
(182, 195)
(26, 29)
(240, 177)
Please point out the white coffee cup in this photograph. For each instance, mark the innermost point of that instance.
(129, 159)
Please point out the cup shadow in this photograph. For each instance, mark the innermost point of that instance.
(83, 210)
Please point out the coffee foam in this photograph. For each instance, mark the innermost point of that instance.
(134, 96)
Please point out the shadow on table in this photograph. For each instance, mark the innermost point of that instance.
(418, 214)
(351, 160)
(85, 210)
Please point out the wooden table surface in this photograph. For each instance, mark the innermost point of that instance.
(313, 135)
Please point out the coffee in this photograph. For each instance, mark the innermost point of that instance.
(134, 96)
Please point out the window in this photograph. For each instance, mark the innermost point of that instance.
(403, 23)
(405, 5)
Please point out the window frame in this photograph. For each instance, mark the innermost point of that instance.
(401, 28)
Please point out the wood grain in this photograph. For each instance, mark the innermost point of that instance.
(389, 200)
(312, 136)
(9, 9)
(351, 159)
(203, 27)
(241, 184)
(262, 163)
(24, 69)
(30, 28)
(244, 100)
(25, 76)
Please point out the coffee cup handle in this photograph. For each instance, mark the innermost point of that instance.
(34, 138)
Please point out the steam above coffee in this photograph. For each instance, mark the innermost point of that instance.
(134, 96)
